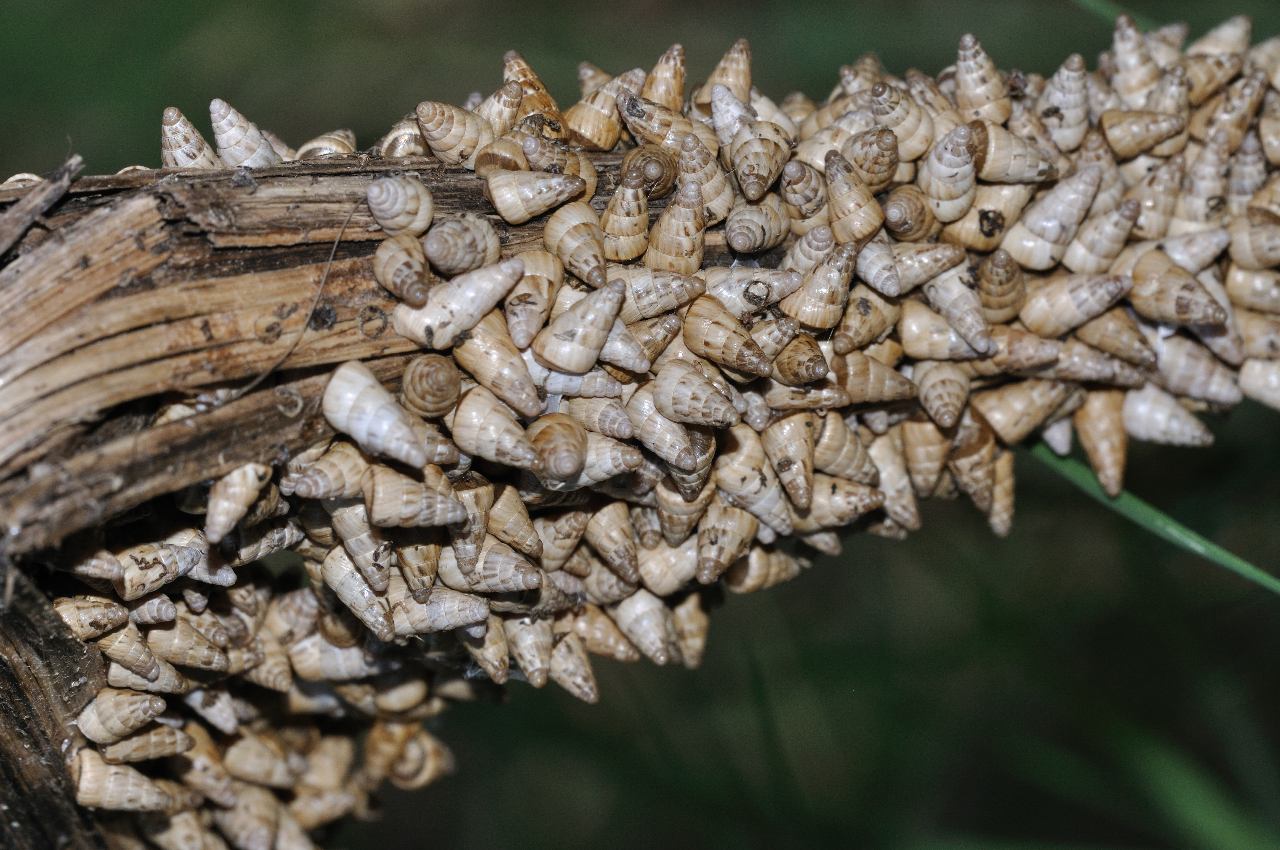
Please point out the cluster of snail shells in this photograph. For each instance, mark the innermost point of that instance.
(226, 716)
(602, 432)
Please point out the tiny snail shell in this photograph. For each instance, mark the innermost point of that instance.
(402, 140)
(521, 195)
(240, 142)
(332, 143)
(181, 145)
(658, 166)
(400, 266)
(400, 205)
(356, 404)
(230, 498)
(453, 134)
(462, 244)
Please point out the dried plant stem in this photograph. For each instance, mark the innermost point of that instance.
(23, 214)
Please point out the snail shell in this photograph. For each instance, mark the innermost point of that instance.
(356, 404)
(400, 265)
(855, 214)
(230, 498)
(114, 786)
(501, 108)
(752, 228)
(521, 195)
(463, 244)
(114, 714)
(573, 340)
(332, 143)
(400, 205)
(947, 176)
(240, 142)
(528, 304)
(453, 134)
(457, 305)
(430, 385)
(403, 140)
(181, 145)
(980, 87)
(561, 444)
(658, 166)
(625, 220)
(573, 234)
(677, 239)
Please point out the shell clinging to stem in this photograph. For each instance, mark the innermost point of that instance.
(777, 320)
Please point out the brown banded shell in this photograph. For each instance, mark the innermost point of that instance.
(561, 444)
(733, 71)
(677, 238)
(402, 140)
(114, 714)
(230, 498)
(855, 214)
(332, 143)
(528, 304)
(698, 166)
(457, 305)
(665, 83)
(593, 121)
(488, 355)
(804, 196)
(181, 145)
(521, 195)
(657, 166)
(656, 124)
(546, 155)
(90, 617)
(573, 234)
(400, 205)
(625, 220)
(114, 786)
(536, 102)
(574, 339)
(240, 142)
(900, 112)
(758, 152)
(452, 134)
(947, 176)
(481, 425)
(461, 244)
(400, 265)
(502, 107)
(980, 87)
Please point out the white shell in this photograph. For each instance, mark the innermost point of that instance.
(240, 142)
(357, 405)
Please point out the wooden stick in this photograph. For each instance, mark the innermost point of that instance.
(46, 678)
(23, 214)
(158, 285)
(269, 424)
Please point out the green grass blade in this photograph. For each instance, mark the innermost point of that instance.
(1198, 809)
(1108, 10)
(1154, 520)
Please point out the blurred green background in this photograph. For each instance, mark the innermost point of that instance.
(94, 77)
(1080, 684)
